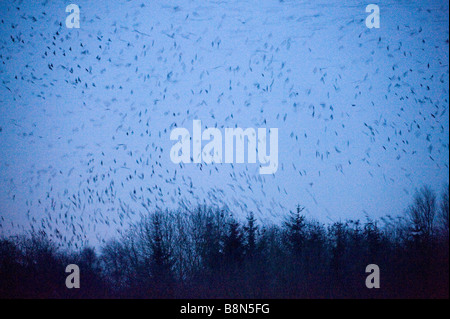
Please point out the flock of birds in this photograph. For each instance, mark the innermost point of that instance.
(86, 113)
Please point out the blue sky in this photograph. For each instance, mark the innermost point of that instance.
(86, 114)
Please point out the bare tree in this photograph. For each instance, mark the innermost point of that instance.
(422, 213)
(444, 212)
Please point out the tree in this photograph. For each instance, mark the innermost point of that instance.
(422, 214)
(251, 230)
(160, 262)
(372, 236)
(210, 225)
(89, 264)
(338, 237)
(295, 231)
(233, 243)
(444, 213)
(10, 269)
(116, 264)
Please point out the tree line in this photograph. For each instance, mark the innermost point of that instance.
(206, 252)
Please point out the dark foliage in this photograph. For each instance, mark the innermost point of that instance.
(208, 253)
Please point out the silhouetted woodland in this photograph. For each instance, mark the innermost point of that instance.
(209, 253)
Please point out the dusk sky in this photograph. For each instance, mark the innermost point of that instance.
(86, 113)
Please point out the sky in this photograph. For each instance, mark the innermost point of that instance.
(86, 113)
